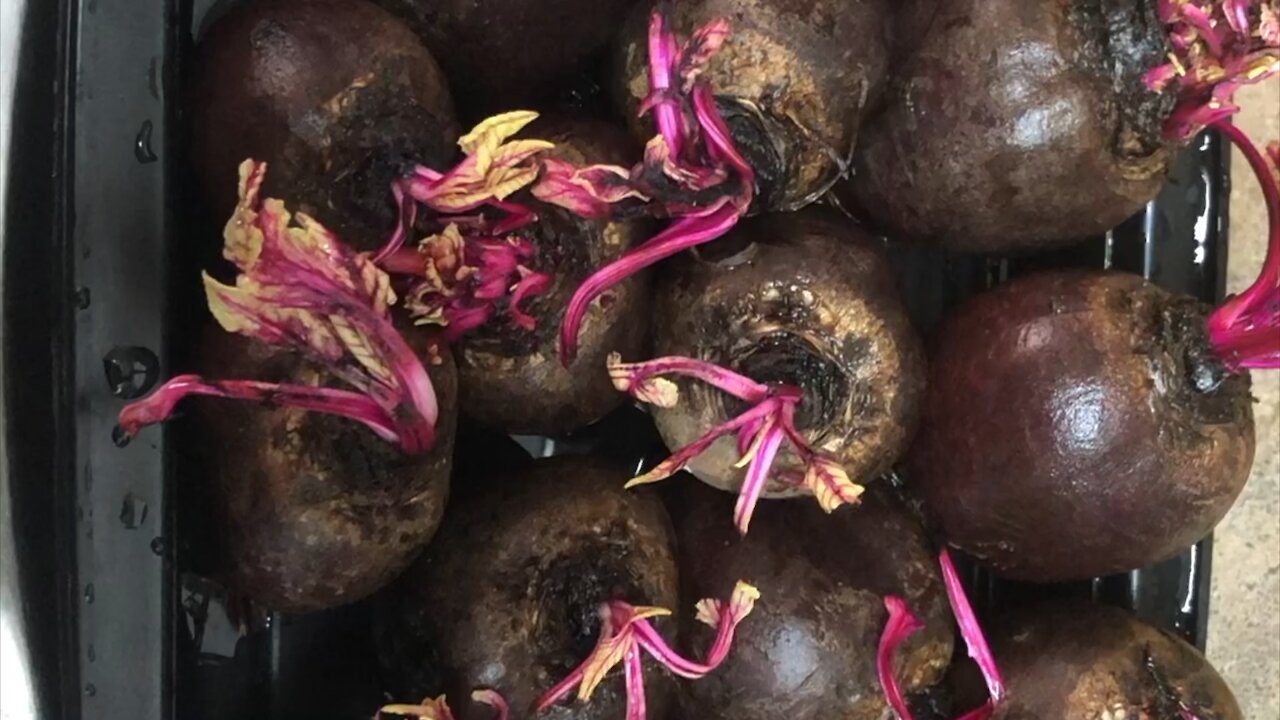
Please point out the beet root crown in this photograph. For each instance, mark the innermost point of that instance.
(1217, 46)
(463, 271)
(691, 172)
(1245, 330)
(301, 288)
(903, 623)
(760, 431)
(438, 708)
(625, 631)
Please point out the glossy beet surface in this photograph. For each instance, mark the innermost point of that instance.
(508, 596)
(316, 510)
(1077, 424)
(808, 650)
(793, 81)
(511, 378)
(336, 95)
(1011, 125)
(805, 299)
(1081, 662)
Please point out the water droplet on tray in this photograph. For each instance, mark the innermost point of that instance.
(158, 545)
(82, 297)
(88, 593)
(133, 511)
(120, 437)
(131, 371)
(92, 654)
(90, 690)
(142, 145)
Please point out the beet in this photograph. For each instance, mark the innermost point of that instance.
(510, 378)
(808, 651)
(1017, 124)
(499, 54)
(1078, 661)
(336, 95)
(1079, 423)
(792, 81)
(507, 597)
(804, 300)
(316, 511)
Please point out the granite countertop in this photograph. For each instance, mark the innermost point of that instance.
(1244, 609)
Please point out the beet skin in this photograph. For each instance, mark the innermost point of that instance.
(1077, 424)
(804, 299)
(316, 510)
(1015, 124)
(808, 650)
(1081, 662)
(511, 378)
(335, 95)
(508, 596)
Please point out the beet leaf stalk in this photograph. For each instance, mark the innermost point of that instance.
(903, 624)
(438, 708)
(476, 258)
(760, 431)
(691, 172)
(625, 632)
(1217, 46)
(1245, 330)
(300, 288)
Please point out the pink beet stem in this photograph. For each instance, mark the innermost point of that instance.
(684, 233)
(406, 215)
(656, 646)
(1257, 309)
(757, 475)
(970, 630)
(739, 386)
(902, 624)
(633, 670)
(560, 690)
(405, 261)
(159, 406)
(662, 54)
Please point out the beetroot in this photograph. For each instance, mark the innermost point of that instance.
(335, 94)
(502, 53)
(319, 510)
(1078, 661)
(510, 377)
(1020, 124)
(808, 650)
(530, 571)
(802, 312)
(1080, 423)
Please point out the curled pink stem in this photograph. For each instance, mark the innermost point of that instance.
(902, 624)
(684, 233)
(1245, 330)
(159, 406)
(970, 630)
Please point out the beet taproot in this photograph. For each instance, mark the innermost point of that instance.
(502, 53)
(792, 81)
(508, 595)
(1015, 125)
(1079, 423)
(1081, 662)
(808, 651)
(316, 511)
(510, 378)
(337, 95)
(803, 300)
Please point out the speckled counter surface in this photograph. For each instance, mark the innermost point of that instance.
(1244, 620)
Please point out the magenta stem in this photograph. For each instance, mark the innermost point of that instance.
(405, 261)
(684, 233)
(757, 475)
(739, 386)
(902, 624)
(633, 669)
(662, 52)
(159, 406)
(970, 630)
(560, 690)
(1223, 322)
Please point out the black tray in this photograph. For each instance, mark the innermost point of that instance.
(122, 623)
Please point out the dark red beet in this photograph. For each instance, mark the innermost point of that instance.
(500, 54)
(1078, 424)
(808, 650)
(335, 95)
(1084, 662)
(1015, 124)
